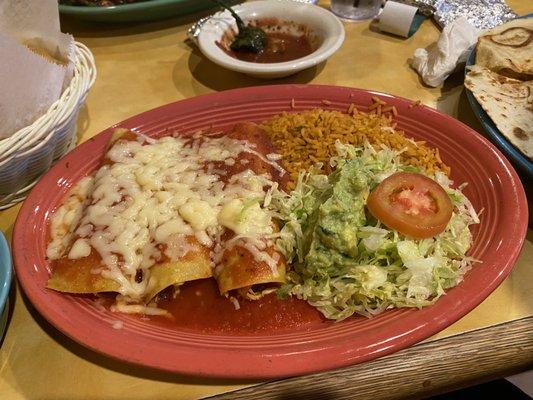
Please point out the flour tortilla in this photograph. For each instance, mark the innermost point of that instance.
(508, 49)
(509, 102)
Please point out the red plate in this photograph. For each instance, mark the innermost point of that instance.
(313, 346)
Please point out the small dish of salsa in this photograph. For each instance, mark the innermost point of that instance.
(298, 36)
(286, 41)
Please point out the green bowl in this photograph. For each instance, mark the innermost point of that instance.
(149, 10)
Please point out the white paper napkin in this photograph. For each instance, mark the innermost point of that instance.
(437, 61)
(29, 82)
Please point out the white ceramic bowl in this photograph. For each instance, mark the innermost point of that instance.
(324, 27)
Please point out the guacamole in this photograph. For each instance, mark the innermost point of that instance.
(345, 261)
(334, 241)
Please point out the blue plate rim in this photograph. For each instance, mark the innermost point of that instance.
(5, 260)
(490, 127)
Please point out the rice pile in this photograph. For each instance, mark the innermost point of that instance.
(308, 137)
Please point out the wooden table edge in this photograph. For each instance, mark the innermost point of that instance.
(425, 369)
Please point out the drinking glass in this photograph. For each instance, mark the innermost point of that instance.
(356, 9)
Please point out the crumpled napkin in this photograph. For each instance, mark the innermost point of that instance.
(437, 61)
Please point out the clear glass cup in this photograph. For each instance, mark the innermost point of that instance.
(356, 9)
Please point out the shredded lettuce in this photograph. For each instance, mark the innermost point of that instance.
(375, 268)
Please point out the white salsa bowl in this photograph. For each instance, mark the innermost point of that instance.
(325, 32)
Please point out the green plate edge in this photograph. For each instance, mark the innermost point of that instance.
(150, 10)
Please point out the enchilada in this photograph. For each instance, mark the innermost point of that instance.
(251, 266)
(161, 212)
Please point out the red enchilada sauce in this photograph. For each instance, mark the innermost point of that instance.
(199, 307)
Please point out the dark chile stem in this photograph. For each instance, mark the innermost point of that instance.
(240, 23)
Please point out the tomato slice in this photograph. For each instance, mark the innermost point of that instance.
(411, 203)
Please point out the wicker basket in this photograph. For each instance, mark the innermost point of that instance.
(31, 151)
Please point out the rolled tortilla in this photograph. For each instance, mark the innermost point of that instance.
(83, 275)
(240, 271)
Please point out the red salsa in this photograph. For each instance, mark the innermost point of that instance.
(281, 45)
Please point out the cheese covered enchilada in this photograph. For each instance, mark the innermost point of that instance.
(161, 212)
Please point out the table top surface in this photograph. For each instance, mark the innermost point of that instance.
(145, 65)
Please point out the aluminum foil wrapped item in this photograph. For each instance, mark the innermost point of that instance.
(483, 14)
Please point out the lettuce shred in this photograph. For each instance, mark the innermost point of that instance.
(386, 269)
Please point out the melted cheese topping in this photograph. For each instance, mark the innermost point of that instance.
(151, 196)
(67, 217)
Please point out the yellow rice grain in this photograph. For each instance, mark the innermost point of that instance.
(308, 137)
(376, 99)
(415, 104)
